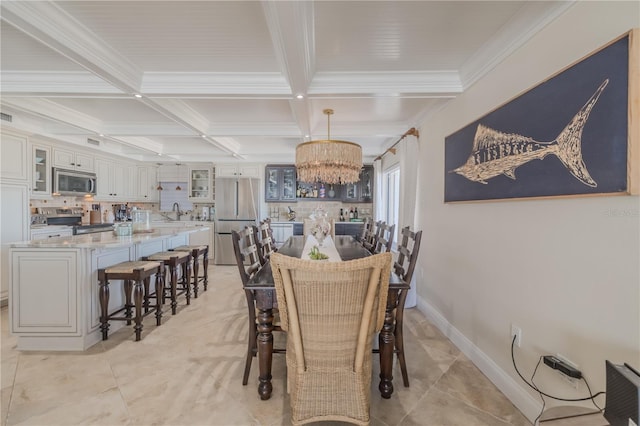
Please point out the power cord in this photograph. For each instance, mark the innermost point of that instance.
(533, 386)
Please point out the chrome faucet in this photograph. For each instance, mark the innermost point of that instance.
(176, 208)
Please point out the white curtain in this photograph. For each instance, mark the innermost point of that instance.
(408, 150)
(378, 204)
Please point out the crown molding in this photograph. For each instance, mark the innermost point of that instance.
(430, 83)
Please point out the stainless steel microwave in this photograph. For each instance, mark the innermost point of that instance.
(71, 182)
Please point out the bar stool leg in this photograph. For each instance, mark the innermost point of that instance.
(145, 300)
(127, 300)
(194, 254)
(205, 264)
(137, 298)
(104, 304)
(187, 280)
(159, 292)
(174, 283)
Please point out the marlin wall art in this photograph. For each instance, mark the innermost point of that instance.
(497, 153)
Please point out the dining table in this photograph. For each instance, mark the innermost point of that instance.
(348, 248)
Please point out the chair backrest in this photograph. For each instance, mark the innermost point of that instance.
(266, 240)
(385, 238)
(371, 236)
(335, 308)
(308, 223)
(366, 225)
(247, 252)
(407, 253)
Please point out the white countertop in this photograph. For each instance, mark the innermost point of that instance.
(106, 239)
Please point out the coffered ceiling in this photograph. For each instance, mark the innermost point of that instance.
(219, 80)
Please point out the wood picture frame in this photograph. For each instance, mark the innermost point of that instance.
(582, 123)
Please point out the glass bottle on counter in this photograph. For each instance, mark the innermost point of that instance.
(341, 216)
(351, 213)
(355, 213)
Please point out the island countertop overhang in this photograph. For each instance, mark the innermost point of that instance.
(105, 240)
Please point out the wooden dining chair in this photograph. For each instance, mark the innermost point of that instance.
(265, 239)
(371, 236)
(249, 261)
(335, 309)
(403, 267)
(365, 228)
(384, 240)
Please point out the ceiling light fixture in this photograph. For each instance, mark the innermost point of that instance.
(300, 96)
(328, 161)
(137, 95)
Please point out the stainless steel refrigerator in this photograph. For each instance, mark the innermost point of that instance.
(237, 204)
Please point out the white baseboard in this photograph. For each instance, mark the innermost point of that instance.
(525, 402)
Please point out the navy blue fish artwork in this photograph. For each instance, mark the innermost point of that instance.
(497, 153)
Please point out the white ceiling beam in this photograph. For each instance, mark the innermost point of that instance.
(291, 25)
(215, 83)
(48, 23)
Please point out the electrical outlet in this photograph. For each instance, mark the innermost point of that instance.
(516, 331)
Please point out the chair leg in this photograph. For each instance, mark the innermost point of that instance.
(399, 338)
(251, 351)
(127, 300)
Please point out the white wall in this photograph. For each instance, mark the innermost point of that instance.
(565, 270)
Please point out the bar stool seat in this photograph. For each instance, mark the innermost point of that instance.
(174, 260)
(198, 251)
(140, 273)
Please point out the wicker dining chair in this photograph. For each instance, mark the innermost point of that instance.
(249, 261)
(331, 312)
(405, 264)
(384, 239)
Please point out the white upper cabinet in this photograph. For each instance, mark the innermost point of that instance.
(13, 161)
(113, 180)
(147, 184)
(68, 159)
(238, 170)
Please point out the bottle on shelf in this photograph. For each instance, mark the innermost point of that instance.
(315, 191)
(341, 216)
(351, 213)
(355, 213)
(322, 191)
(298, 192)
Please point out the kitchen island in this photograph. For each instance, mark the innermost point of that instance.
(53, 294)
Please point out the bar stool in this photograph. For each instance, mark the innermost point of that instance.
(174, 260)
(140, 273)
(198, 251)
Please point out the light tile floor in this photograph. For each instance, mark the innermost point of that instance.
(189, 370)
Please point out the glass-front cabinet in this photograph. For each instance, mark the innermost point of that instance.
(41, 176)
(361, 191)
(280, 183)
(201, 184)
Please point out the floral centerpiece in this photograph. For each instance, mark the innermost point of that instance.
(320, 227)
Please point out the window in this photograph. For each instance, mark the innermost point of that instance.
(391, 198)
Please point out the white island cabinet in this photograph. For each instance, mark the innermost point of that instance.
(54, 302)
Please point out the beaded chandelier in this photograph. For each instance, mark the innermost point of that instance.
(328, 161)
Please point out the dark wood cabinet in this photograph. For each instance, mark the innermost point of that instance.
(349, 228)
(361, 191)
(280, 183)
(281, 186)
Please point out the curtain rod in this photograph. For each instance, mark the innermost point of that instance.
(411, 132)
